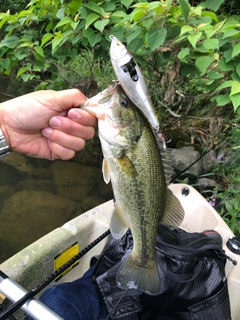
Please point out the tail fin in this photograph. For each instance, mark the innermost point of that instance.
(133, 276)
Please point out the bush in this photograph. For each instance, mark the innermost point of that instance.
(179, 46)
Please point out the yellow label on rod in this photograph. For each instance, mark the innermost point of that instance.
(64, 257)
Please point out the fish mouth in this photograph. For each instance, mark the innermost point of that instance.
(95, 105)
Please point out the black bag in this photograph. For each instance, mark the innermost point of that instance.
(192, 273)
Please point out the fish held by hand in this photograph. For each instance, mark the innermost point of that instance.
(134, 165)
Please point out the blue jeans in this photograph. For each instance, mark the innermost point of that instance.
(77, 300)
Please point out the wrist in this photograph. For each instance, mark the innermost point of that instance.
(4, 141)
(4, 147)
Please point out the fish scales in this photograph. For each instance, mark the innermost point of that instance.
(133, 164)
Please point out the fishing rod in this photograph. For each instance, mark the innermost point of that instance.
(6, 283)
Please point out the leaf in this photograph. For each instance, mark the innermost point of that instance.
(25, 77)
(225, 84)
(63, 22)
(183, 53)
(57, 41)
(148, 23)
(126, 3)
(74, 25)
(238, 69)
(94, 7)
(219, 25)
(90, 19)
(235, 101)
(235, 76)
(10, 42)
(39, 51)
(25, 44)
(235, 88)
(137, 31)
(211, 44)
(185, 9)
(118, 31)
(153, 5)
(222, 100)
(214, 5)
(94, 39)
(210, 14)
(20, 56)
(108, 6)
(155, 38)
(230, 33)
(186, 29)
(210, 32)
(87, 33)
(236, 50)
(228, 54)
(223, 66)
(138, 13)
(101, 24)
(60, 14)
(23, 69)
(118, 14)
(230, 24)
(140, 5)
(46, 38)
(214, 75)
(203, 63)
(5, 63)
(74, 6)
(193, 38)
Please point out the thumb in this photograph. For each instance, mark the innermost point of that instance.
(69, 98)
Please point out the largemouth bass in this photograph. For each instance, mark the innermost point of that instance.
(133, 164)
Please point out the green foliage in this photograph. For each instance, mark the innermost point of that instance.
(227, 173)
(177, 44)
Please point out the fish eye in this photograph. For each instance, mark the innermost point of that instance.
(124, 103)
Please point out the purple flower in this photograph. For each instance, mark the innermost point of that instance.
(212, 201)
(220, 157)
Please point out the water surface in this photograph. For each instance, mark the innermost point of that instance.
(38, 195)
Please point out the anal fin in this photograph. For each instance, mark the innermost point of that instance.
(118, 225)
(173, 213)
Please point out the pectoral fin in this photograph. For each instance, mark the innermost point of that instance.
(118, 225)
(173, 213)
(105, 171)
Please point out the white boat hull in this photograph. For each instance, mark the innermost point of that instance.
(33, 264)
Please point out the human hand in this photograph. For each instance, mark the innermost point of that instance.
(47, 124)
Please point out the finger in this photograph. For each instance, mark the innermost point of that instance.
(70, 98)
(63, 139)
(71, 127)
(82, 116)
(60, 152)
